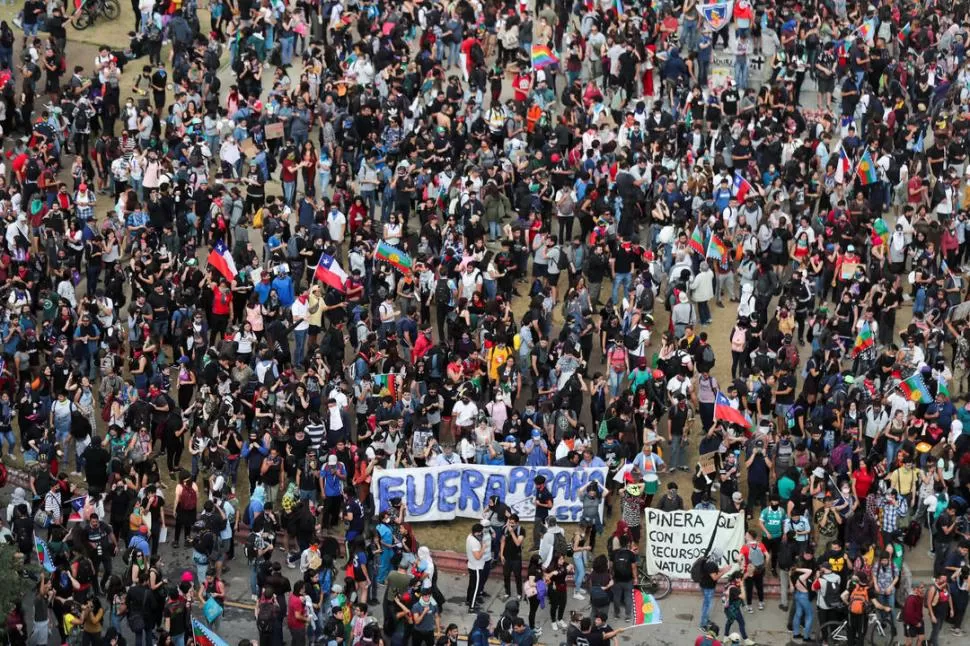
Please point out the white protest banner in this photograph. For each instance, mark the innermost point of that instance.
(676, 538)
(460, 490)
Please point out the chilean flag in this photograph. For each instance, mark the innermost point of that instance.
(723, 410)
(741, 186)
(221, 260)
(329, 272)
(843, 168)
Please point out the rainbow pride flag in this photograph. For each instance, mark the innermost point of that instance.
(543, 57)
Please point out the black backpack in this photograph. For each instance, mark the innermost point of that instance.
(266, 616)
(81, 120)
(503, 629)
(697, 569)
(250, 548)
(6, 37)
(196, 158)
(623, 564)
(442, 292)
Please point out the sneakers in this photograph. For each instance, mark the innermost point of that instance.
(537, 631)
(750, 609)
(748, 642)
(579, 596)
(559, 625)
(761, 605)
(503, 597)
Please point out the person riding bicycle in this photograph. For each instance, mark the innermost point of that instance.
(861, 603)
(708, 636)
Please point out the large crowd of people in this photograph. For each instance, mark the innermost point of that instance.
(486, 232)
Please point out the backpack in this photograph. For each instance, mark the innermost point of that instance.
(697, 569)
(266, 617)
(442, 291)
(503, 629)
(81, 120)
(250, 548)
(623, 565)
(559, 545)
(195, 156)
(858, 599)
(832, 595)
(777, 245)
(188, 499)
(913, 533)
(756, 558)
(707, 356)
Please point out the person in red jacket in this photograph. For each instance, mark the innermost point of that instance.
(913, 628)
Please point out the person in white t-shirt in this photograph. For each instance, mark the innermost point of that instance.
(475, 553)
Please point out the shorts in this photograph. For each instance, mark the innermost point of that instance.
(781, 410)
(913, 631)
(314, 330)
(826, 86)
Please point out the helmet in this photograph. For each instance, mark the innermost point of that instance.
(658, 374)
(712, 629)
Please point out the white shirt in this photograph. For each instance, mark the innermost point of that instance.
(336, 225)
(464, 414)
(301, 315)
(472, 545)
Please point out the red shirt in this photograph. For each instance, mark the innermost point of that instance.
(863, 482)
(220, 302)
(294, 606)
(288, 174)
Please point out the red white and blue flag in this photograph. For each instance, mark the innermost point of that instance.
(77, 505)
(329, 272)
(741, 187)
(221, 260)
(843, 168)
(724, 411)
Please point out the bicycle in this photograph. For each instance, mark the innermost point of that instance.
(90, 10)
(657, 584)
(879, 631)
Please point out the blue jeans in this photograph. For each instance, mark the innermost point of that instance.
(739, 618)
(491, 289)
(324, 179)
(804, 615)
(494, 230)
(201, 562)
(11, 440)
(6, 57)
(299, 346)
(286, 50)
(579, 562)
(706, 604)
(289, 192)
(677, 455)
(370, 199)
(178, 640)
(621, 279)
(253, 580)
(892, 447)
